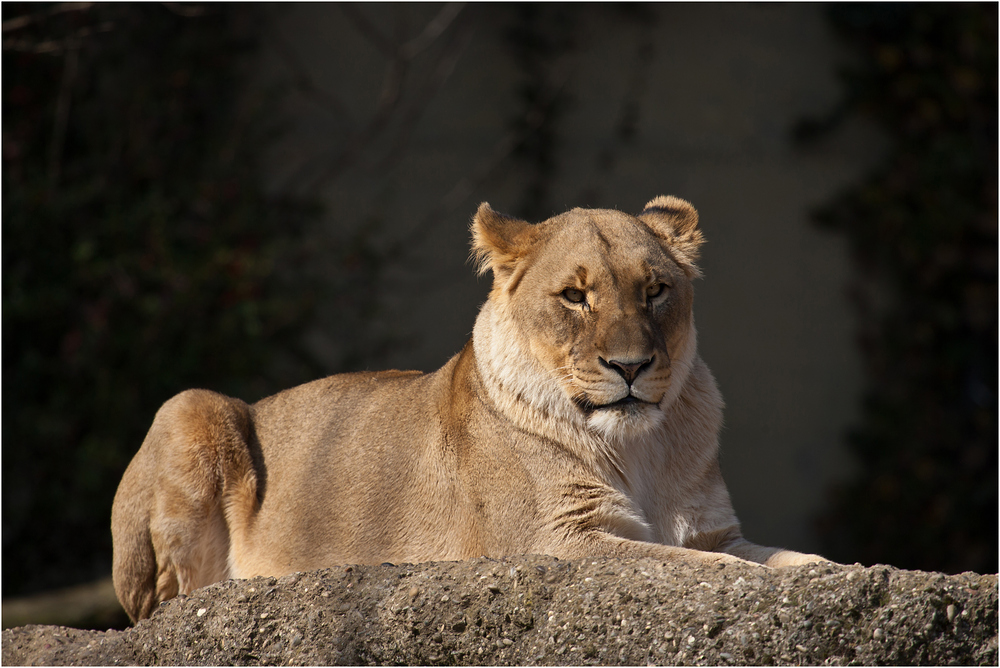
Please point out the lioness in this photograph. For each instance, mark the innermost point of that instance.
(578, 421)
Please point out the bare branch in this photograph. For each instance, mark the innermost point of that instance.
(185, 9)
(27, 46)
(432, 30)
(61, 119)
(468, 184)
(391, 93)
(432, 85)
(368, 30)
(19, 22)
(52, 46)
(392, 86)
(304, 82)
(350, 153)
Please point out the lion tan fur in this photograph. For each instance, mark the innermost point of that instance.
(578, 421)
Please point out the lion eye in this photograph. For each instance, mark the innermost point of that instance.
(573, 295)
(655, 290)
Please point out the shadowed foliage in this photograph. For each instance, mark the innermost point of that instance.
(923, 232)
(141, 256)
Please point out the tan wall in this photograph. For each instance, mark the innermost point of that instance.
(723, 87)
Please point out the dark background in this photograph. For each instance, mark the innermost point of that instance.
(145, 251)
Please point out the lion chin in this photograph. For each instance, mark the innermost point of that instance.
(625, 419)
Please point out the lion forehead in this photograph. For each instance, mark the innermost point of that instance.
(599, 244)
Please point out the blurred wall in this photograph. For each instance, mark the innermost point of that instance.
(692, 100)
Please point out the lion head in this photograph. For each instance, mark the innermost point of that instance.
(589, 320)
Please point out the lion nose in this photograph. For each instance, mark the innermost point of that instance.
(627, 370)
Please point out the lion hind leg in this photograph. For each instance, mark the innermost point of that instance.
(240, 505)
(191, 542)
(194, 461)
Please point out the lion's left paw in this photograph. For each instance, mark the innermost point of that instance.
(784, 558)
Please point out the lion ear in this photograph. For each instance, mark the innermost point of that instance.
(499, 242)
(675, 221)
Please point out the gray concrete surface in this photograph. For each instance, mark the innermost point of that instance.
(539, 611)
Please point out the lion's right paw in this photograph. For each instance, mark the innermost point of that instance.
(722, 559)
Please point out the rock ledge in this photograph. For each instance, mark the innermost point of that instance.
(540, 610)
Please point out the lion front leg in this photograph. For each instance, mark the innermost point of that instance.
(599, 543)
(772, 557)
(731, 541)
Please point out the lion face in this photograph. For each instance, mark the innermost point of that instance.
(603, 303)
